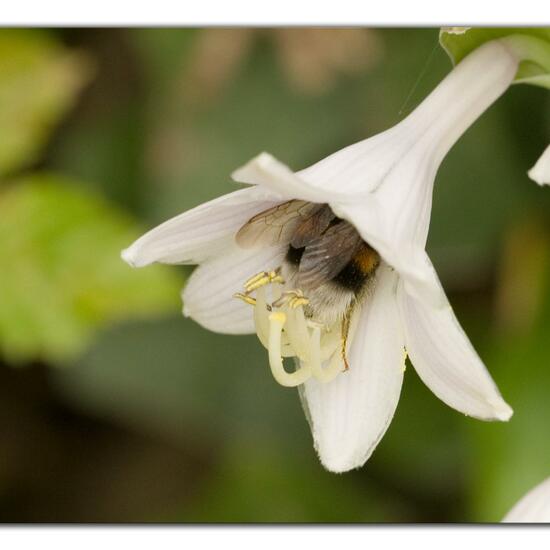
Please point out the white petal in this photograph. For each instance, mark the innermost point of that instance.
(356, 169)
(445, 359)
(534, 507)
(395, 216)
(383, 185)
(199, 233)
(407, 256)
(376, 222)
(540, 173)
(208, 295)
(427, 133)
(350, 414)
(267, 171)
(466, 93)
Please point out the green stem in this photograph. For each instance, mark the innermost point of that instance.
(529, 48)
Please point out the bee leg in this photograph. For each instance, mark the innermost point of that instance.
(294, 299)
(298, 301)
(346, 322)
(344, 355)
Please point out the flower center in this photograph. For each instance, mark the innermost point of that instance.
(285, 331)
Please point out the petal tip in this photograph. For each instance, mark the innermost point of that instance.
(537, 177)
(261, 162)
(338, 464)
(540, 172)
(130, 256)
(503, 411)
(186, 311)
(134, 256)
(339, 460)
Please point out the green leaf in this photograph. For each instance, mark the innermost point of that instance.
(39, 81)
(531, 44)
(62, 277)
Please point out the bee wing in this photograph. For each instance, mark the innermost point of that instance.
(276, 225)
(325, 257)
(310, 228)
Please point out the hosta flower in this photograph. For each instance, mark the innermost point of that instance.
(541, 171)
(328, 266)
(534, 507)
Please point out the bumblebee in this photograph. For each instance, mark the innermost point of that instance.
(326, 258)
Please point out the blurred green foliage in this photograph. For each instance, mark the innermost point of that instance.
(61, 277)
(513, 458)
(157, 127)
(39, 82)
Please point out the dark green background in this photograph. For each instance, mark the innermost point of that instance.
(133, 413)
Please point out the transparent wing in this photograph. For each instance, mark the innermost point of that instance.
(276, 225)
(326, 256)
(310, 228)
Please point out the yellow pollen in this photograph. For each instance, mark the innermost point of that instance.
(262, 279)
(298, 302)
(245, 298)
(278, 317)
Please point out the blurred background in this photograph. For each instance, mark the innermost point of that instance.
(113, 407)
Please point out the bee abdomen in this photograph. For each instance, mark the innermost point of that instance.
(358, 270)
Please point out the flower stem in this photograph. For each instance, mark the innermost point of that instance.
(467, 91)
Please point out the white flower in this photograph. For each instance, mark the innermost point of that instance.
(540, 173)
(383, 187)
(534, 507)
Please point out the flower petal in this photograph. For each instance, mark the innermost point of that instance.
(395, 217)
(428, 132)
(199, 233)
(433, 127)
(383, 185)
(349, 415)
(366, 212)
(409, 258)
(208, 295)
(534, 507)
(540, 173)
(267, 171)
(445, 360)
(356, 169)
